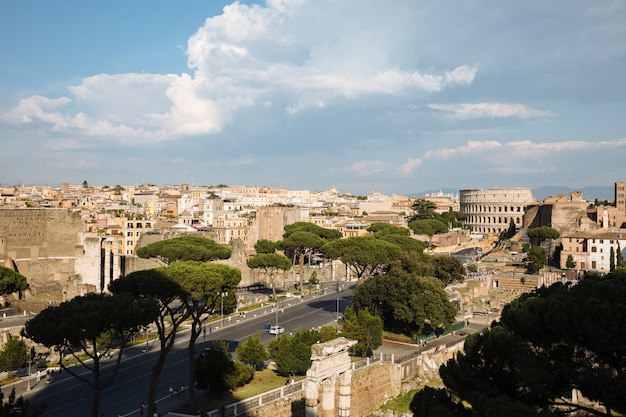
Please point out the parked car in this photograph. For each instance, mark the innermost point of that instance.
(276, 330)
(205, 351)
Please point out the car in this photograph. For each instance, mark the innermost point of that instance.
(205, 351)
(276, 330)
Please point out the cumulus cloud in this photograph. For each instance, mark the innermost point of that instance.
(520, 151)
(250, 55)
(366, 168)
(410, 165)
(499, 155)
(264, 79)
(467, 111)
(37, 109)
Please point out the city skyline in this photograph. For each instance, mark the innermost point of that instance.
(300, 94)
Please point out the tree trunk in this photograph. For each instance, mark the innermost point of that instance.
(166, 345)
(301, 267)
(195, 333)
(154, 378)
(272, 277)
(95, 402)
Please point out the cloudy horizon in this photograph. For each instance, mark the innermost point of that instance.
(313, 94)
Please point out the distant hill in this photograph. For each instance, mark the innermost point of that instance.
(589, 193)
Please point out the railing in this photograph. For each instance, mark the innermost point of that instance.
(295, 387)
(241, 407)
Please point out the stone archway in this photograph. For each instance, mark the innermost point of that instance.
(331, 365)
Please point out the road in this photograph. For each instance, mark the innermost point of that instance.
(65, 396)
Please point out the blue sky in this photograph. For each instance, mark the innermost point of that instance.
(361, 95)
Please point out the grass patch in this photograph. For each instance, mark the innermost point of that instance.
(264, 380)
(396, 337)
(400, 405)
(9, 380)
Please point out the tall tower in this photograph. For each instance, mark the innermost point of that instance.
(620, 197)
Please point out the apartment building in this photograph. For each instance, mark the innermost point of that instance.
(591, 251)
(230, 226)
(133, 229)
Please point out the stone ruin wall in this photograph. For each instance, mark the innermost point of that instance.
(371, 387)
(60, 259)
(42, 244)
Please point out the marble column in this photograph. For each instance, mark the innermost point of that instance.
(328, 397)
(116, 260)
(345, 382)
(311, 398)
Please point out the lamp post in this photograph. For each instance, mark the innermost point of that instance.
(146, 338)
(337, 302)
(222, 311)
(276, 315)
(30, 360)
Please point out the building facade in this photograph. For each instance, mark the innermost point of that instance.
(491, 211)
(592, 251)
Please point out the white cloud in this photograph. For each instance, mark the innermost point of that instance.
(267, 83)
(522, 152)
(467, 111)
(410, 165)
(36, 108)
(251, 55)
(367, 168)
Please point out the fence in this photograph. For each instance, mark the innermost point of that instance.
(287, 391)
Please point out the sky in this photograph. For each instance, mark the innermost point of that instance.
(359, 95)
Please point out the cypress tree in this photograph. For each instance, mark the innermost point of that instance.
(612, 260)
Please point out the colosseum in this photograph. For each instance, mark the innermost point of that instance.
(491, 211)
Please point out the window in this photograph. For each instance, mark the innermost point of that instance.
(593, 249)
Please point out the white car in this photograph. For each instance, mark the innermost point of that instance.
(276, 330)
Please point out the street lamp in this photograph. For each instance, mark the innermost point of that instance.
(276, 315)
(30, 360)
(222, 311)
(337, 302)
(146, 349)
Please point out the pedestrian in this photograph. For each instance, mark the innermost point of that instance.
(142, 407)
(38, 375)
(171, 391)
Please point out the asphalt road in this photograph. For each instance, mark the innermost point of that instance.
(66, 396)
